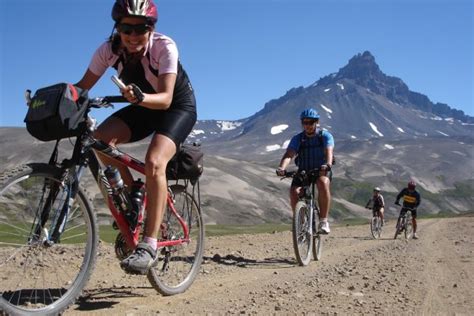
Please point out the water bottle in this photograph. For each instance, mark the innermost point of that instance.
(120, 196)
(137, 196)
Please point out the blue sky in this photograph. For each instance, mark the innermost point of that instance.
(241, 54)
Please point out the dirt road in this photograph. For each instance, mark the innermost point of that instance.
(257, 274)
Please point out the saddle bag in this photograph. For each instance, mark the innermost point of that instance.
(56, 112)
(186, 164)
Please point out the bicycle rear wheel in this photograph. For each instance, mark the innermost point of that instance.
(41, 272)
(302, 235)
(177, 266)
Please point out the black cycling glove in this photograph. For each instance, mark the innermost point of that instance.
(138, 93)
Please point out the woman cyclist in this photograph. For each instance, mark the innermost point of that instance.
(377, 204)
(162, 103)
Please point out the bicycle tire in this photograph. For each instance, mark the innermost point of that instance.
(373, 227)
(40, 277)
(176, 267)
(302, 235)
(397, 228)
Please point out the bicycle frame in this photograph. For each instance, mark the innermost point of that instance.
(84, 156)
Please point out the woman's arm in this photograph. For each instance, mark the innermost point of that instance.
(88, 80)
(155, 101)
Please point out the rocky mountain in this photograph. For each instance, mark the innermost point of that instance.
(358, 102)
(385, 134)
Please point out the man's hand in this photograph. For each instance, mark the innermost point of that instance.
(280, 172)
(324, 169)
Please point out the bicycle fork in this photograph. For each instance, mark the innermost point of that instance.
(58, 224)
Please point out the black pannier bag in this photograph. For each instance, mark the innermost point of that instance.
(57, 111)
(187, 163)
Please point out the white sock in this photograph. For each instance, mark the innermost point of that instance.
(153, 242)
(324, 220)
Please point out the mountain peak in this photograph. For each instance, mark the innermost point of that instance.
(361, 65)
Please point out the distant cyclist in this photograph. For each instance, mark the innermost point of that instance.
(411, 199)
(313, 148)
(377, 204)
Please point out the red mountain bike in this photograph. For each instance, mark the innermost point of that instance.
(49, 230)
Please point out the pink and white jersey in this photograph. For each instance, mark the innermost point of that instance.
(160, 57)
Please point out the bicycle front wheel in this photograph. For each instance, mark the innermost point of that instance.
(177, 266)
(302, 235)
(317, 239)
(373, 227)
(408, 226)
(46, 257)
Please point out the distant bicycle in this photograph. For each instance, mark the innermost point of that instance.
(306, 238)
(376, 224)
(404, 223)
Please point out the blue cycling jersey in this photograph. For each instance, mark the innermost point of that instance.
(310, 150)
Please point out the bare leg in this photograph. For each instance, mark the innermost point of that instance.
(413, 221)
(324, 196)
(381, 213)
(114, 131)
(294, 193)
(160, 151)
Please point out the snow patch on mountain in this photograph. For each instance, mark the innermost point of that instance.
(228, 125)
(272, 147)
(375, 129)
(278, 129)
(389, 146)
(444, 134)
(401, 129)
(326, 108)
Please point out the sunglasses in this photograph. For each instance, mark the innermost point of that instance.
(308, 122)
(128, 29)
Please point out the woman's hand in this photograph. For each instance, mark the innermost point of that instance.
(133, 94)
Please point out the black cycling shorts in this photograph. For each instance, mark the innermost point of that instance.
(142, 122)
(297, 182)
(413, 212)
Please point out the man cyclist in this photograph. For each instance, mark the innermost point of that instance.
(411, 199)
(313, 148)
(378, 204)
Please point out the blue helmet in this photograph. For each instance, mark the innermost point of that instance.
(309, 114)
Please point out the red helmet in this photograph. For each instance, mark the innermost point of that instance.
(411, 185)
(135, 8)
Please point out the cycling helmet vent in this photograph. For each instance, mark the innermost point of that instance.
(135, 8)
(309, 114)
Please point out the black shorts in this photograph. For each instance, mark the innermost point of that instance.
(413, 212)
(297, 181)
(142, 122)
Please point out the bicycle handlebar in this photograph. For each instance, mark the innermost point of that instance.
(303, 173)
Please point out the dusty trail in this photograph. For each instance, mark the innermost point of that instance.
(257, 274)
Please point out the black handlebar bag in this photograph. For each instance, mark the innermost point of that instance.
(56, 112)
